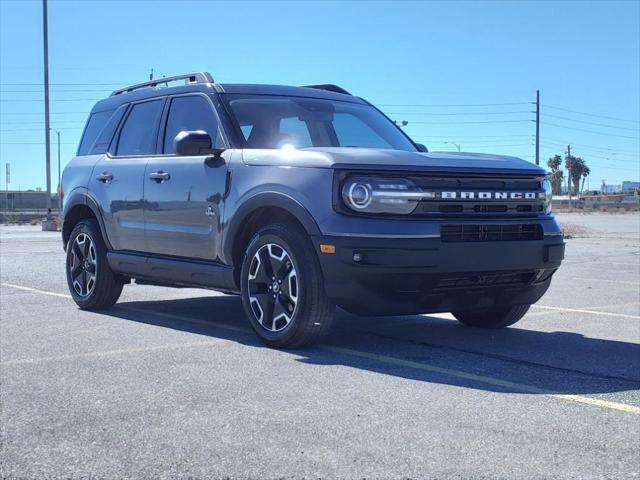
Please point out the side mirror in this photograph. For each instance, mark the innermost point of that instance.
(421, 147)
(189, 143)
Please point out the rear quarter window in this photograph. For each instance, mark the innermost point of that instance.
(104, 139)
(94, 126)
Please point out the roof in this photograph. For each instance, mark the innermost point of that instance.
(115, 101)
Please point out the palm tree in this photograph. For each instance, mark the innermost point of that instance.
(555, 176)
(575, 167)
(585, 173)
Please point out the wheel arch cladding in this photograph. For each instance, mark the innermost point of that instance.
(79, 207)
(258, 212)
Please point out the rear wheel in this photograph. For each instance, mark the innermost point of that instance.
(282, 288)
(92, 283)
(498, 317)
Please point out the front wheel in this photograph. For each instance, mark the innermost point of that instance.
(282, 288)
(497, 317)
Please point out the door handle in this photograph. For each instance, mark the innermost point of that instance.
(159, 177)
(104, 177)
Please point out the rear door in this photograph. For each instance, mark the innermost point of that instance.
(183, 195)
(118, 178)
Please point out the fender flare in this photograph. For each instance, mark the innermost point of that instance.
(82, 197)
(261, 200)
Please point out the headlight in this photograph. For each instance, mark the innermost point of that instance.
(546, 186)
(381, 195)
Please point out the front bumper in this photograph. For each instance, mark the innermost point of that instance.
(396, 276)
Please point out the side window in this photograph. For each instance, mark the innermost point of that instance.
(295, 132)
(351, 131)
(190, 113)
(96, 123)
(138, 135)
(103, 141)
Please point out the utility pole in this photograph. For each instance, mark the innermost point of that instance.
(59, 176)
(537, 127)
(45, 36)
(569, 173)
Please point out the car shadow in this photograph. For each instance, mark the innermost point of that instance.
(562, 362)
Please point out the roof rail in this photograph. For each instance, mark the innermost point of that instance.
(189, 78)
(329, 87)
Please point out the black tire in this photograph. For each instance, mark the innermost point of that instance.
(300, 292)
(85, 260)
(499, 317)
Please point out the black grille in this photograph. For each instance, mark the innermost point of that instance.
(486, 280)
(478, 207)
(490, 233)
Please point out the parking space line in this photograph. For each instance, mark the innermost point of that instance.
(493, 381)
(591, 312)
(35, 290)
(619, 282)
(106, 353)
(623, 407)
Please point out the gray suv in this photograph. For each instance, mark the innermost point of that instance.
(299, 199)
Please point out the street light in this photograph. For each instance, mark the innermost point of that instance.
(453, 143)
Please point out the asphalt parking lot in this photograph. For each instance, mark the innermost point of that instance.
(172, 383)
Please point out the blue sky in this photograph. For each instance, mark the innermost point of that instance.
(462, 72)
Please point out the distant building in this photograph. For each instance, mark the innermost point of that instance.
(630, 186)
(611, 188)
(26, 200)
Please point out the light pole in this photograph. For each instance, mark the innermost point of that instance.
(59, 176)
(453, 143)
(45, 37)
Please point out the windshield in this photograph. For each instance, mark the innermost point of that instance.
(269, 121)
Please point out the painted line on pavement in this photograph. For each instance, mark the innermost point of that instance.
(524, 388)
(107, 353)
(592, 279)
(623, 407)
(591, 312)
(36, 290)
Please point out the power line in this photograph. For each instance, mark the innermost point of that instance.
(477, 136)
(590, 147)
(54, 100)
(65, 128)
(451, 105)
(93, 90)
(465, 123)
(495, 146)
(41, 113)
(40, 123)
(589, 123)
(588, 131)
(34, 143)
(81, 84)
(457, 113)
(590, 155)
(592, 114)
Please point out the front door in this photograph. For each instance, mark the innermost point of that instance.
(117, 180)
(183, 195)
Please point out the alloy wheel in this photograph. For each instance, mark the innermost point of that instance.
(273, 287)
(83, 265)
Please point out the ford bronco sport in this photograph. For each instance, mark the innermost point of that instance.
(299, 199)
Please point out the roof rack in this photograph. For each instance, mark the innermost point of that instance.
(189, 78)
(329, 87)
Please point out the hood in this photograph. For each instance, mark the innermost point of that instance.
(380, 159)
